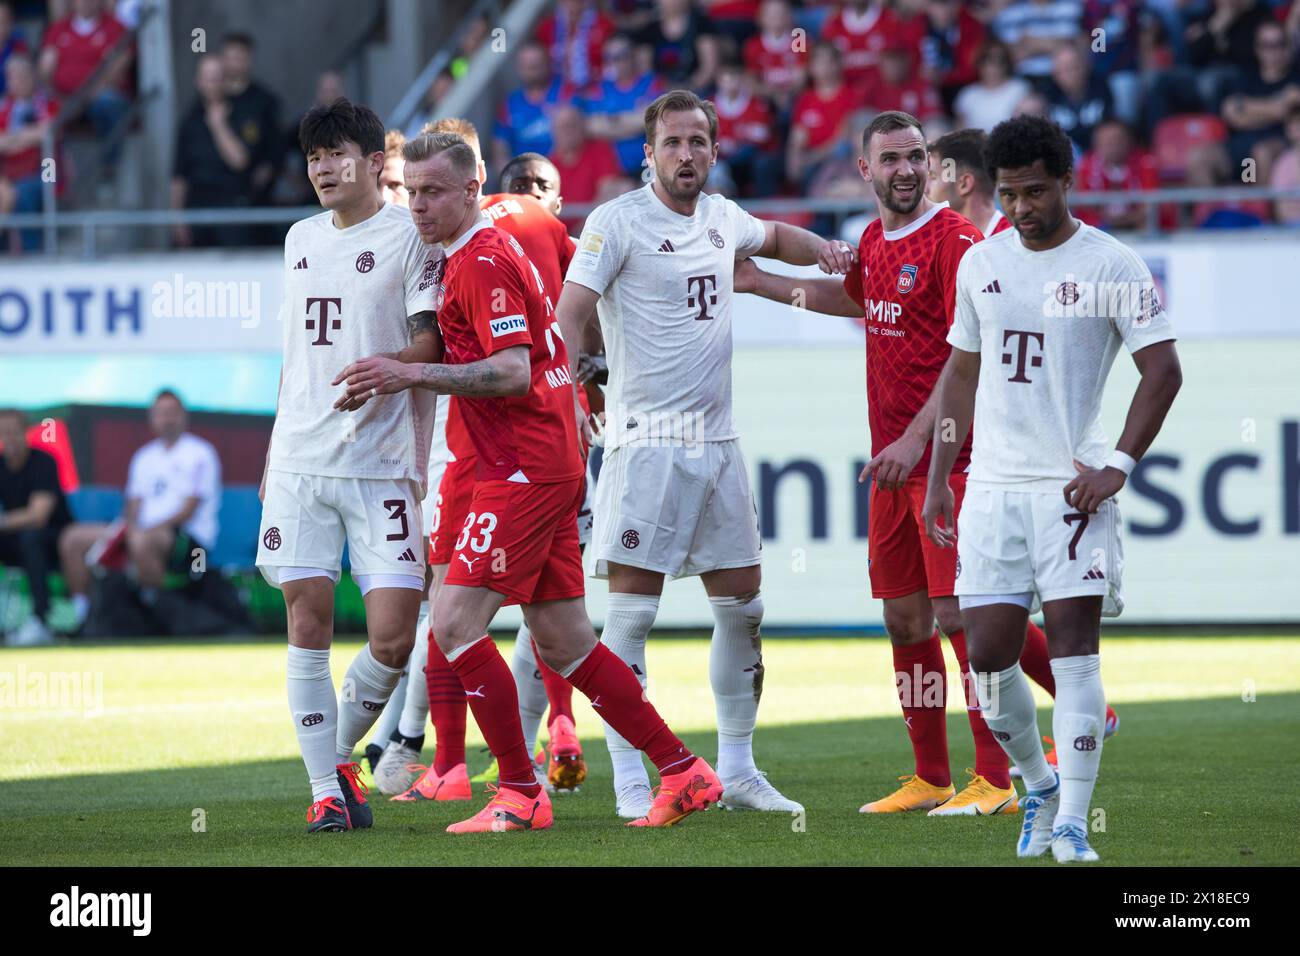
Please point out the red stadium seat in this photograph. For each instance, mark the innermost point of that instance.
(1176, 136)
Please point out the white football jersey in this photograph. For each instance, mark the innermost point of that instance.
(1047, 326)
(347, 295)
(164, 478)
(665, 283)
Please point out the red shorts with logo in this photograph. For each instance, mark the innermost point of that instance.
(451, 504)
(901, 558)
(521, 540)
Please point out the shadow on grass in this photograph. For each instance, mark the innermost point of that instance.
(1187, 782)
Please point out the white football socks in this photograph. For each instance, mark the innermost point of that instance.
(315, 717)
(1009, 710)
(366, 689)
(1077, 725)
(529, 686)
(415, 702)
(628, 620)
(736, 675)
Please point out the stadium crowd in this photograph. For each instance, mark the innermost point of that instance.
(1162, 93)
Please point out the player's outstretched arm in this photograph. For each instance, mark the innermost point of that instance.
(816, 295)
(954, 411)
(1161, 378)
(799, 247)
(503, 373)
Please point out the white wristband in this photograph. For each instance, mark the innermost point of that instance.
(1121, 460)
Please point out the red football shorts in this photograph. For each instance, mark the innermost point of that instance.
(900, 557)
(451, 504)
(521, 540)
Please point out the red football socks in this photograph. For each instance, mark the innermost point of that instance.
(923, 691)
(559, 692)
(489, 689)
(446, 709)
(991, 760)
(616, 695)
(1034, 660)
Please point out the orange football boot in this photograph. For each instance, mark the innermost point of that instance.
(566, 770)
(681, 794)
(508, 810)
(914, 794)
(452, 785)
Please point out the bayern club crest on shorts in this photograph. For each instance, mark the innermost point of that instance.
(906, 279)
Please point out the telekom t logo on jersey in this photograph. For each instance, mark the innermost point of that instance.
(324, 323)
(1022, 349)
(700, 294)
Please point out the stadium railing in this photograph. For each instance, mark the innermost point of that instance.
(88, 222)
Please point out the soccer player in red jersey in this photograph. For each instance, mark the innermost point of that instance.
(905, 286)
(506, 361)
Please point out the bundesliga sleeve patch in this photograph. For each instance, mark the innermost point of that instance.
(592, 243)
(507, 325)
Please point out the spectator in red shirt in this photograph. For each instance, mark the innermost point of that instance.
(897, 86)
(747, 147)
(589, 168)
(11, 41)
(25, 114)
(574, 35)
(822, 114)
(73, 51)
(1115, 164)
(861, 31)
(777, 57)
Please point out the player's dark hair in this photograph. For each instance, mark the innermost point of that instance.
(509, 170)
(965, 147)
(679, 101)
(1023, 140)
(168, 393)
(888, 122)
(325, 127)
(238, 38)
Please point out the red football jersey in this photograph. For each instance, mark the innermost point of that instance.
(862, 38)
(906, 282)
(743, 122)
(545, 240)
(778, 64)
(822, 118)
(493, 298)
(79, 56)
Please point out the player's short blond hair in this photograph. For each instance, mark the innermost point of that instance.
(393, 143)
(461, 127)
(428, 145)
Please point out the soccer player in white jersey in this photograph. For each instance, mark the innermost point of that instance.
(1041, 312)
(358, 281)
(674, 496)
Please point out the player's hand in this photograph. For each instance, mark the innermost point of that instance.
(584, 426)
(892, 466)
(370, 377)
(745, 277)
(939, 504)
(836, 257)
(1092, 487)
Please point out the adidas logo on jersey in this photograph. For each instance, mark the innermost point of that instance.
(407, 555)
(992, 287)
(1094, 574)
(667, 246)
(302, 264)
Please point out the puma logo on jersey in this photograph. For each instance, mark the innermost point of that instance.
(970, 239)
(478, 692)
(490, 260)
(468, 563)
(595, 701)
(407, 555)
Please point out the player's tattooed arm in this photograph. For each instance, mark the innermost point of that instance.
(508, 372)
(426, 339)
(826, 296)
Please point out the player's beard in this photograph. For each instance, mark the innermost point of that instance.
(683, 192)
(887, 198)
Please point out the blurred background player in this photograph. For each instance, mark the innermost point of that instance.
(358, 281)
(507, 362)
(659, 263)
(391, 183)
(1036, 375)
(532, 174)
(549, 248)
(905, 280)
(957, 176)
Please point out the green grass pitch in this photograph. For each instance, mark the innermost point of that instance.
(182, 734)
